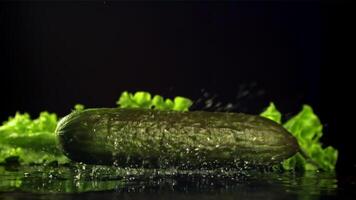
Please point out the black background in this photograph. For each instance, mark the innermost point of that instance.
(53, 55)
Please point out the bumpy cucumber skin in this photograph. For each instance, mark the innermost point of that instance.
(152, 138)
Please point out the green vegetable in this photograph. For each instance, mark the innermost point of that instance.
(27, 140)
(307, 128)
(272, 113)
(143, 100)
(79, 107)
(152, 138)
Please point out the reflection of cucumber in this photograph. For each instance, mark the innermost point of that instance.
(151, 138)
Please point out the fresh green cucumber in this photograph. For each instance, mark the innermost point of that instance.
(152, 138)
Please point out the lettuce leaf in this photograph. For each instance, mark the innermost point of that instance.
(272, 113)
(27, 140)
(144, 100)
(307, 129)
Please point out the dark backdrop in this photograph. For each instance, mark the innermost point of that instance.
(54, 55)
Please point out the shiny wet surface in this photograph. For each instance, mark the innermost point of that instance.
(93, 182)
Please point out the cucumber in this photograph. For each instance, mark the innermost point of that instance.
(152, 138)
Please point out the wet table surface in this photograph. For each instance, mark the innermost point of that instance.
(93, 182)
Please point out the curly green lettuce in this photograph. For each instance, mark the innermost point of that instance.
(27, 140)
(143, 99)
(307, 129)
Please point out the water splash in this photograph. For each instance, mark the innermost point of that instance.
(245, 94)
(79, 178)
